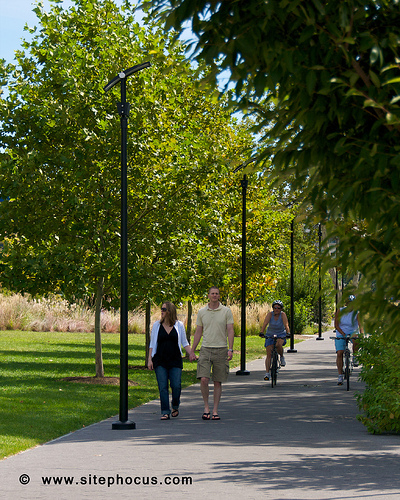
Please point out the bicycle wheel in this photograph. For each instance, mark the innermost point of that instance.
(347, 369)
(274, 368)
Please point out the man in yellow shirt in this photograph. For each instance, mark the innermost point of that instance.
(215, 325)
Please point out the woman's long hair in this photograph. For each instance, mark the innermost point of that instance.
(170, 317)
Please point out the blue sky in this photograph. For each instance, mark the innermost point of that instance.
(14, 14)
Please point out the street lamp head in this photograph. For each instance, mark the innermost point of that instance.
(244, 165)
(138, 67)
(125, 74)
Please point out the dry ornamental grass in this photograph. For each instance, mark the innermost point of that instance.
(55, 314)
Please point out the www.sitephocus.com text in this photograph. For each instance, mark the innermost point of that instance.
(110, 481)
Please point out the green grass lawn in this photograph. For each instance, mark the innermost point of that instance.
(37, 405)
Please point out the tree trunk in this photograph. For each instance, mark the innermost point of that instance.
(332, 274)
(97, 329)
(147, 330)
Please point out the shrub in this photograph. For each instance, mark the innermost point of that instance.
(380, 402)
(302, 316)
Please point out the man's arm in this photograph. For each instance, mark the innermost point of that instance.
(231, 338)
(196, 337)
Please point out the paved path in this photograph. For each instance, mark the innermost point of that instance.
(299, 440)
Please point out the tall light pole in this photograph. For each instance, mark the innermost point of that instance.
(320, 337)
(244, 184)
(336, 288)
(291, 349)
(123, 110)
(333, 255)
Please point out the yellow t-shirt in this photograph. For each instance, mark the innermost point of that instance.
(214, 322)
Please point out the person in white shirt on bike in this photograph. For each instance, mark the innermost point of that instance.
(347, 324)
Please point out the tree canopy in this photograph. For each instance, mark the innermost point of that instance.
(60, 137)
(322, 80)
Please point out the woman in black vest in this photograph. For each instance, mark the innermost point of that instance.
(165, 357)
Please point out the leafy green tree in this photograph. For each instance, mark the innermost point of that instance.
(60, 140)
(322, 78)
(184, 235)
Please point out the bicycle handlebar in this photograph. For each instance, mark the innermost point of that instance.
(262, 335)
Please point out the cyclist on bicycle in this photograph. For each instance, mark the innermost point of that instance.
(347, 324)
(277, 325)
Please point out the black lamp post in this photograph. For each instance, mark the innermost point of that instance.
(244, 184)
(123, 110)
(333, 253)
(292, 349)
(336, 288)
(320, 337)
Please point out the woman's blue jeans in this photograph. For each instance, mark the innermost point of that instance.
(174, 376)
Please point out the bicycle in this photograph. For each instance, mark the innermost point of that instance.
(275, 363)
(347, 361)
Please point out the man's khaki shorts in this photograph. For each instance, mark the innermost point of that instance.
(217, 358)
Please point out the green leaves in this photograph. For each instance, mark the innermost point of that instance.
(311, 81)
(331, 71)
(60, 165)
(379, 403)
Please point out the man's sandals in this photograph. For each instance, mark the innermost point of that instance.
(207, 416)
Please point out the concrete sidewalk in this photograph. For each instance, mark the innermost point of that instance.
(299, 440)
